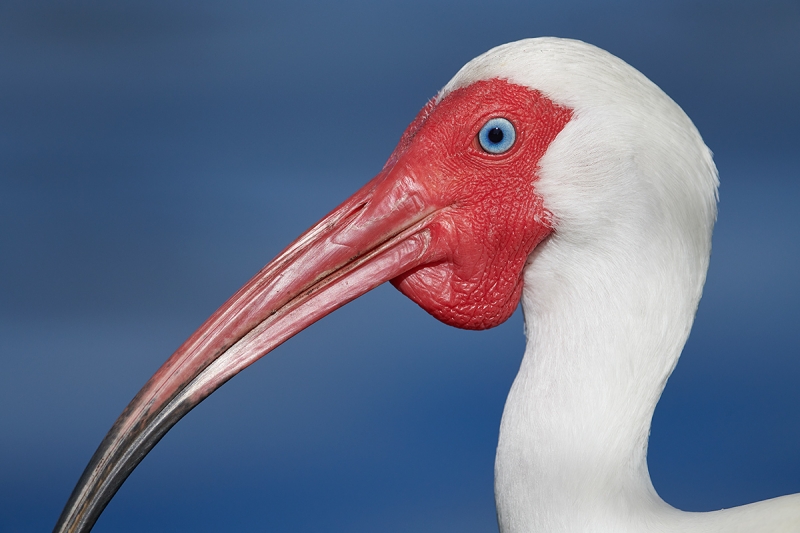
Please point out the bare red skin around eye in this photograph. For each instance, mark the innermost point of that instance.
(490, 216)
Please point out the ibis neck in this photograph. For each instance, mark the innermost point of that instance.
(602, 342)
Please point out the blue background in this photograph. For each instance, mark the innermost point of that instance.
(154, 155)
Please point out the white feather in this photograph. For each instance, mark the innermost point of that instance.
(609, 299)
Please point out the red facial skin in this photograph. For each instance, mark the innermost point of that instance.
(492, 218)
(449, 224)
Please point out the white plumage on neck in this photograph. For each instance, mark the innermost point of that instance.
(609, 299)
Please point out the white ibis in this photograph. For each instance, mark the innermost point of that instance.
(546, 170)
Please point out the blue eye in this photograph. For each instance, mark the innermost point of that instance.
(497, 136)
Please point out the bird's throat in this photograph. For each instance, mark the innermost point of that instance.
(573, 439)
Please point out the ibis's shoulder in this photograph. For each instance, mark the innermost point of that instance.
(778, 515)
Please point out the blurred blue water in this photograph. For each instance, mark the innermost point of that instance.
(154, 155)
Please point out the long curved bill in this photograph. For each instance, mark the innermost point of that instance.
(377, 234)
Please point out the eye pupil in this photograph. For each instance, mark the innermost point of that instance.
(497, 135)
